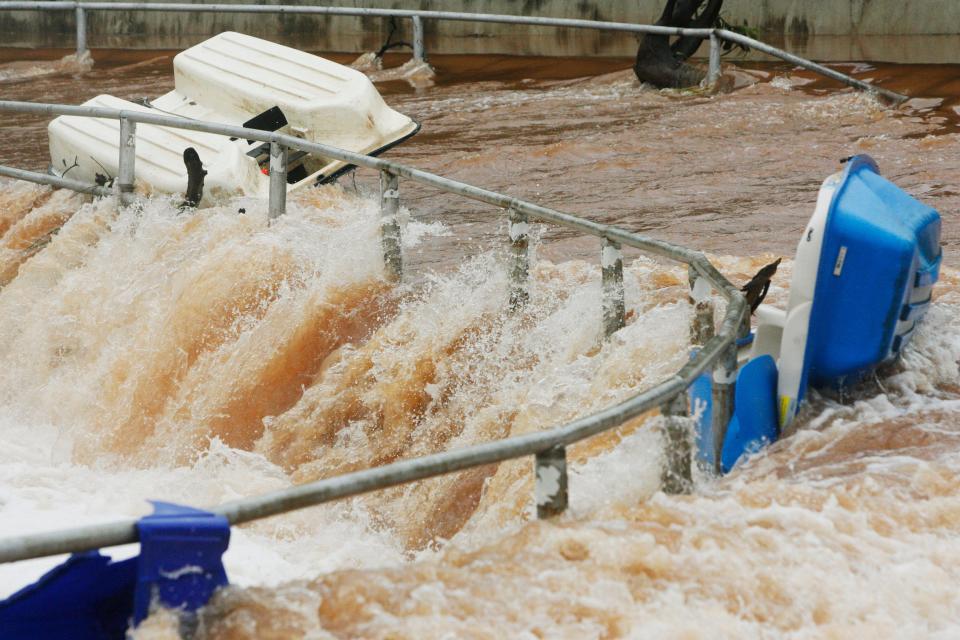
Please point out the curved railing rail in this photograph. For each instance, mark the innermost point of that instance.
(417, 17)
(548, 446)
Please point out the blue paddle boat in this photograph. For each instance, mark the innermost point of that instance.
(862, 279)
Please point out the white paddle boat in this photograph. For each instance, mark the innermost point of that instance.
(239, 80)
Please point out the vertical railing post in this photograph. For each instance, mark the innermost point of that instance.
(278, 181)
(81, 31)
(519, 230)
(713, 72)
(611, 266)
(390, 224)
(677, 476)
(550, 469)
(701, 330)
(724, 388)
(419, 51)
(128, 157)
(724, 377)
(701, 324)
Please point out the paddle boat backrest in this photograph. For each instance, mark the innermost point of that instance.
(862, 279)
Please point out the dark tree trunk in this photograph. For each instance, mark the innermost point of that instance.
(664, 64)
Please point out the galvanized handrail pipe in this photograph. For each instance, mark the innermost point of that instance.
(455, 16)
(418, 15)
(677, 473)
(55, 181)
(722, 401)
(390, 225)
(127, 160)
(248, 509)
(419, 50)
(277, 204)
(544, 444)
(892, 96)
(81, 20)
(659, 247)
(518, 231)
(713, 68)
(611, 269)
(550, 481)
(538, 212)
(701, 327)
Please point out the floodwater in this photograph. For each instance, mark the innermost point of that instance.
(201, 357)
(579, 136)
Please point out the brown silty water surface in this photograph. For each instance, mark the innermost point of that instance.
(201, 357)
(577, 134)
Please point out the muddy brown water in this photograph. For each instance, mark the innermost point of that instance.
(200, 358)
(736, 173)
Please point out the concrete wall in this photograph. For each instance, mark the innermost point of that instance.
(799, 24)
(850, 17)
(169, 30)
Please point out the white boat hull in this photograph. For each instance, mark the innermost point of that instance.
(231, 79)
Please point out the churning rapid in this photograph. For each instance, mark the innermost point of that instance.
(197, 357)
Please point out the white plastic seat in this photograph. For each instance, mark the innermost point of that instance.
(782, 333)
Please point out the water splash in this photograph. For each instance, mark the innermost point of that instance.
(206, 356)
(73, 64)
(201, 358)
(844, 529)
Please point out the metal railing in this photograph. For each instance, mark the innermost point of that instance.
(418, 16)
(548, 446)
